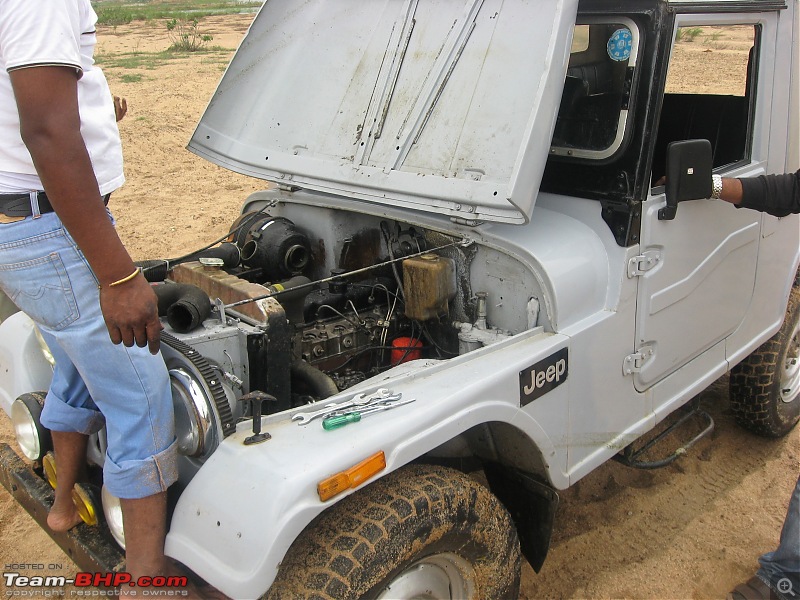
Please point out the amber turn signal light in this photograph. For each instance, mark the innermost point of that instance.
(352, 477)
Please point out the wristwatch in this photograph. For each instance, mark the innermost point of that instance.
(716, 187)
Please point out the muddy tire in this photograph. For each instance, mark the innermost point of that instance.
(765, 387)
(421, 531)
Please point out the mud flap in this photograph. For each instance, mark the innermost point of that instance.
(90, 548)
(532, 505)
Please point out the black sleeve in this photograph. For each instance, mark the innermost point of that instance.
(777, 195)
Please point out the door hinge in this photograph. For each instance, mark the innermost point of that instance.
(634, 363)
(644, 262)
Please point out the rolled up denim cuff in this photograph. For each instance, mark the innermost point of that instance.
(134, 479)
(57, 415)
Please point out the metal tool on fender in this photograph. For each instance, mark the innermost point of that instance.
(378, 397)
(335, 421)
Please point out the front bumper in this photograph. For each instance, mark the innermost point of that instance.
(90, 548)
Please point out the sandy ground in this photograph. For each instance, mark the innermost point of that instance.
(691, 530)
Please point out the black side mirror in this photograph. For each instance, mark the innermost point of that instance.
(688, 174)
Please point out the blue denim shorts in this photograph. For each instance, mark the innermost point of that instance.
(95, 382)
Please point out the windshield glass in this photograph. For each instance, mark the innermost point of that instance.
(594, 105)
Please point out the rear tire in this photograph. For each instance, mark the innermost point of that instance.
(765, 387)
(420, 532)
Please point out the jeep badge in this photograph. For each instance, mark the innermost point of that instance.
(544, 376)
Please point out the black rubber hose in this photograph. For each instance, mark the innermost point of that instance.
(156, 270)
(186, 306)
(286, 288)
(153, 270)
(322, 385)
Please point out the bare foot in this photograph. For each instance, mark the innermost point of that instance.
(63, 516)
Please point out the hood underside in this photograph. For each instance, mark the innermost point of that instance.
(438, 105)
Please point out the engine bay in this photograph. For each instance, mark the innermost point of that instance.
(300, 308)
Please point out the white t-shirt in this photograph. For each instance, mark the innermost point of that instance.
(55, 32)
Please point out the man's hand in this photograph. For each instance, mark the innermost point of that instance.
(120, 108)
(131, 314)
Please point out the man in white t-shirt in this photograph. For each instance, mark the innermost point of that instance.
(62, 263)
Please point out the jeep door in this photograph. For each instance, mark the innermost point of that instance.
(697, 272)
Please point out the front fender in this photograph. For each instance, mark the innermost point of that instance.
(237, 518)
(23, 367)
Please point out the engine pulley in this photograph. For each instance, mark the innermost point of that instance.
(203, 415)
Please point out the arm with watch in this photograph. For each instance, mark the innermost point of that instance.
(777, 195)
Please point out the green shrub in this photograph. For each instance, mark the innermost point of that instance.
(185, 35)
(687, 34)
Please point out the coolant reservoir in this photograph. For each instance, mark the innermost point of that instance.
(429, 284)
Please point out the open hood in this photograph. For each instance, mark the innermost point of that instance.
(438, 105)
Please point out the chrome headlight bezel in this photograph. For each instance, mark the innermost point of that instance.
(194, 421)
(32, 437)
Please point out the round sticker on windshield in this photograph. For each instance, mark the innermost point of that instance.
(620, 44)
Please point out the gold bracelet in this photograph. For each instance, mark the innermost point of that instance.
(125, 279)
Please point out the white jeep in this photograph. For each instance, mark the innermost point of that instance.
(465, 261)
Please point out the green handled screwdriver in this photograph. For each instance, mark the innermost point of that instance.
(336, 421)
(340, 420)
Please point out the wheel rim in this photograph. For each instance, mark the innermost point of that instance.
(790, 377)
(436, 577)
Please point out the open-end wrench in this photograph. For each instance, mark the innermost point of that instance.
(380, 395)
(382, 404)
(335, 421)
